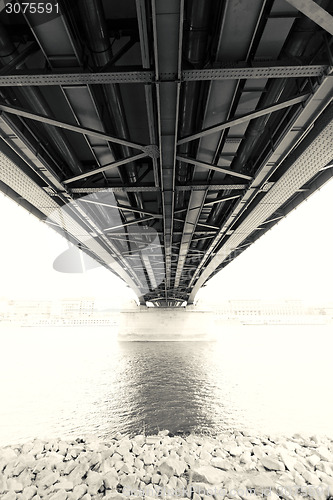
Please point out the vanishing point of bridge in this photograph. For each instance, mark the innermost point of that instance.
(163, 137)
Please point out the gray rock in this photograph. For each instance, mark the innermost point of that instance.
(139, 439)
(64, 485)
(87, 496)
(153, 440)
(172, 466)
(288, 461)
(146, 479)
(155, 479)
(14, 485)
(114, 496)
(313, 460)
(219, 453)
(137, 450)
(299, 467)
(38, 447)
(28, 492)
(272, 463)
(138, 464)
(126, 469)
(245, 457)
(259, 452)
(49, 479)
(3, 485)
(110, 481)
(11, 495)
(220, 463)
(119, 465)
(208, 474)
(69, 467)
(205, 455)
(63, 448)
(128, 458)
(76, 475)
(150, 469)
(148, 458)
(94, 481)
(324, 454)
(27, 447)
(80, 490)
(124, 448)
(284, 491)
(234, 451)
(290, 445)
(325, 467)
(311, 478)
(272, 496)
(244, 492)
(60, 495)
(261, 481)
(172, 483)
(164, 432)
(7, 454)
(130, 481)
(298, 479)
(164, 479)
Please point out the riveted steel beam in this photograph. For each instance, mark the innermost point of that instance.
(314, 12)
(245, 118)
(154, 189)
(114, 164)
(144, 219)
(239, 73)
(73, 77)
(67, 126)
(210, 187)
(120, 207)
(208, 203)
(117, 189)
(76, 77)
(193, 161)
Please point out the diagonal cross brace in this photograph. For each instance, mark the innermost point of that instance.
(245, 118)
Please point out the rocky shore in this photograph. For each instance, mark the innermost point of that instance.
(233, 465)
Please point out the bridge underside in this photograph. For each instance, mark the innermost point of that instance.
(164, 137)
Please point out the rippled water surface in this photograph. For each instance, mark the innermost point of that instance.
(73, 381)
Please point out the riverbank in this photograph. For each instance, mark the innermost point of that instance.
(233, 465)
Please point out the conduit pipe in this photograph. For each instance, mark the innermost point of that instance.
(35, 100)
(196, 32)
(95, 30)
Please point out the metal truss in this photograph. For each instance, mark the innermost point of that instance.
(113, 141)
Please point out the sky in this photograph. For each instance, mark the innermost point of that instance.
(294, 260)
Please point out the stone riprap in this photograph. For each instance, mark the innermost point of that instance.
(233, 465)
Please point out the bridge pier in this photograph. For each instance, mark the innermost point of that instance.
(166, 324)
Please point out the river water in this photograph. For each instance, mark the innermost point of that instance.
(62, 382)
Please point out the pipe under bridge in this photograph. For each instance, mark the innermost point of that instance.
(163, 137)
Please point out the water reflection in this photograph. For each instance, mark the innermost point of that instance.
(76, 381)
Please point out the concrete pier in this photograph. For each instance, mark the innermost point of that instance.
(159, 324)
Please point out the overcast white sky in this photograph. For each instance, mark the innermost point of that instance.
(293, 260)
